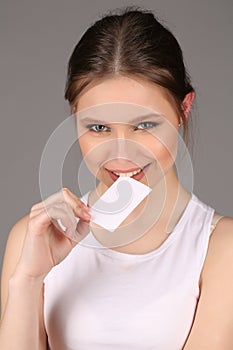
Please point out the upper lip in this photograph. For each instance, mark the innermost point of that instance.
(126, 171)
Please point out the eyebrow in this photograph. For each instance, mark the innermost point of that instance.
(140, 118)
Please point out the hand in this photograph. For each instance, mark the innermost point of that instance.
(45, 244)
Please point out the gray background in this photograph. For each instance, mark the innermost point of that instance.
(37, 38)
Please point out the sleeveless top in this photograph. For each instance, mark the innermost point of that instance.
(101, 299)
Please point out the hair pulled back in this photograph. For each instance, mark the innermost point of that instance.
(129, 42)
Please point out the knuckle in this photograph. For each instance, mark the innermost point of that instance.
(62, 205)
(77, 207)
(35, 206)
(65, 190)
(68, 191)
(70, 196)
(60, 202)
(32, 208)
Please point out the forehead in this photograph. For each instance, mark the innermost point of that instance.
(116, 112)
(132, 95)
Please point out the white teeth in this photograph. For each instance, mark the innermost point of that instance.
(128, 174)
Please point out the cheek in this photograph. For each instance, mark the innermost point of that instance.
(84, 145)
(164, 150)
(93, 155)
(87, 153)
(93, 152)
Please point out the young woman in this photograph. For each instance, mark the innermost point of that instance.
(169, 288)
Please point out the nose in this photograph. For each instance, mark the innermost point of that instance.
(121, 142)
(124, 146)
(120, 148)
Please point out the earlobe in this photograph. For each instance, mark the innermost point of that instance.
(187, 103)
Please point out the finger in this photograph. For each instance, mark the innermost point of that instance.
(54, 198)
(69, 195)
(82, 229)
(65, 195)
(39, 223)
(65, 218)
(77, 230)
(57, 222)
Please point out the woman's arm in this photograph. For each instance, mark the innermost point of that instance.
(213, 324)
(35, 245)
(22, 324)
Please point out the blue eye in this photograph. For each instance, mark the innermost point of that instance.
(146, 125)
(97, 128)
(100, 128)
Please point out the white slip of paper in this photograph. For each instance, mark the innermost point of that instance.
(118, 201)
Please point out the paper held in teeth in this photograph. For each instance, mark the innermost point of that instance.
(111, 209)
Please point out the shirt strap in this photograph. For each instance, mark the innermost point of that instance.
(215, 220)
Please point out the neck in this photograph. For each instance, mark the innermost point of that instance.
(163, 206)
(144, 230)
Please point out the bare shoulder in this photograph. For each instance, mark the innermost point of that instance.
(224, 224)
(223, 230)
(16, 238)
(222, 237)
(220, 249)
(212, 326)
(12, 254)
(18, 232)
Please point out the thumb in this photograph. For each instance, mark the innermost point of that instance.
(82, 230)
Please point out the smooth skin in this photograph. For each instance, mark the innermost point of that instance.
(35, 245)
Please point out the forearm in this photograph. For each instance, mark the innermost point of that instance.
(19, 328)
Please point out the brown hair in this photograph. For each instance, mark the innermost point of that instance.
(129, 42)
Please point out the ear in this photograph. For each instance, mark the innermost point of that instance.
(187, 103)
(73, 109)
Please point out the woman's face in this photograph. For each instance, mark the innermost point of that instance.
(139, 132)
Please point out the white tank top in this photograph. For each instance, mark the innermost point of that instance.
(101, 299)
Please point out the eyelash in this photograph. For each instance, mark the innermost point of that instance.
(91, 126)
